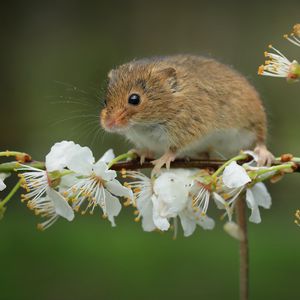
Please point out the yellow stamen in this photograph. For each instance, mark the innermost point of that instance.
(136, 190)
(40, 227)
(296, 30)
(127, 202)
(126, 184)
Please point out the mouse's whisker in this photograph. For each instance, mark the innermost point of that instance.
(76, 117)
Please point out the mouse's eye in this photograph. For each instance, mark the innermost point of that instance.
(134, 99)
(105, 102)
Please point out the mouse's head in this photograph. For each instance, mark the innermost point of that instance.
(138, 93)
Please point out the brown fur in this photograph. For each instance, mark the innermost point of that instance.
(190, 96)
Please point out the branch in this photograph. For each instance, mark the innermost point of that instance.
(135, 164)
(181, 163)
(12, 166)
(244, 250)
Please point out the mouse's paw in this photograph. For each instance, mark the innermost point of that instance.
(166, 159)
(265, 157)
(143, 154)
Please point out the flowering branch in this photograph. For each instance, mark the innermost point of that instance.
(71, 180)
(134, 164)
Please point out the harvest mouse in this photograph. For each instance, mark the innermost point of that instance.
(184, 106)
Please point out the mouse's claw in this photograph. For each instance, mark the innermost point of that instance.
(265, 157)
(143, 154)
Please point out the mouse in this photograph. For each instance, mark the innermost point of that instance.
(185, 106)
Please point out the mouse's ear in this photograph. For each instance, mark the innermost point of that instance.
(169, 76)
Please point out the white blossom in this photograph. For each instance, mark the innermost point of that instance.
(294, 37)
(143, 190)
(278, 65)
(164, 199)
(257, 196)
(191, 216)
(96, 184)
(235, 176)
(41, 196)
(235, 181)
(52, 206)
(231, 185)
(88, 180)
(171, 194)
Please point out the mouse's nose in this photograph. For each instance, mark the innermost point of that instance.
(110, 123)
(116, 119)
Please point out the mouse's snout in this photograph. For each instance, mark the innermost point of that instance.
(115, 120)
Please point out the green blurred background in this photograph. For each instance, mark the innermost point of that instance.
(55, 58)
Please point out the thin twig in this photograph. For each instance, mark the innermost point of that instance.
(182, 163)
(244, 253)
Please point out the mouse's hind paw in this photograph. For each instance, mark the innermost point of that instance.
(265, 157)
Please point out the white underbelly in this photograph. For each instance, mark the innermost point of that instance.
(219, 144)
(151, 138)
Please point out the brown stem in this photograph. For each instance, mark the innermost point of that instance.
(244, 251)
(135, 164)
(182, 163)
(178, 163)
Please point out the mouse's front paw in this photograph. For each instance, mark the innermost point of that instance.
(265, 157)
(143, 154)
(166, 159)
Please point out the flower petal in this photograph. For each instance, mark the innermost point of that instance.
(62, 207)
(161, 223)
(206, 222)
(220, 202)
(116, 188)
(60, 154)
(187, 224)
(113, 206)
(253, 155)
(2, 177)
(101, 170)
(56, 158)
(80, 160)
(67, 182)
(108, 156)
(147, 216)
(235, 176)
(261, 195)
(2, 185)
(255, 215)
(172, 189)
